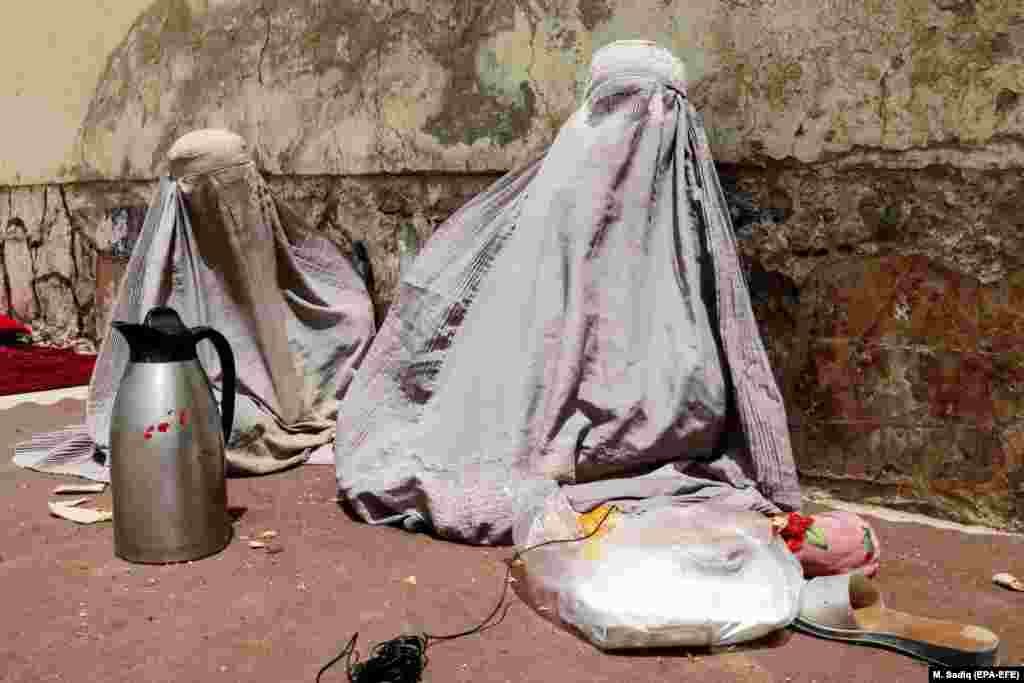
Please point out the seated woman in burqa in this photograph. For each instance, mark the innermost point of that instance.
(221, 250)
(582, 328)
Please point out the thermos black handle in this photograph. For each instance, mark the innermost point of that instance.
(227, 367)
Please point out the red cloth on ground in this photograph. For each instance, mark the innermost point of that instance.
(37, 368)
(9, 327)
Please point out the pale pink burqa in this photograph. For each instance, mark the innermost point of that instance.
(221, 250)
(583, 324)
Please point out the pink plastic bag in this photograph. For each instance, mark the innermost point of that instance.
(835, 543)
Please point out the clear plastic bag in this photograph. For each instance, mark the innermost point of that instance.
(666, 576)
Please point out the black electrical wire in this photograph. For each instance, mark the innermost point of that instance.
(403, 659)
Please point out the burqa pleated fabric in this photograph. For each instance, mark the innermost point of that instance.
(583, 324)
(221, 250)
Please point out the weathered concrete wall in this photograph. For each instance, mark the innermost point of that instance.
(894, 310)
(397, 85)
(873, 150)
(55, 235)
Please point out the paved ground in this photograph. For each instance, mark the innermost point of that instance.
(73, 612)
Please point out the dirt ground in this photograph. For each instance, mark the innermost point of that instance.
(74, 612)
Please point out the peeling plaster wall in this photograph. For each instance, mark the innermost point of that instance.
(389, 86)
(872, 152)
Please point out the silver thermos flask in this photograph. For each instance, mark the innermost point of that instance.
(167, 440)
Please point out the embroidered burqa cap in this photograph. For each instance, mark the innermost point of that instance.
(221, 250)
(580, 329)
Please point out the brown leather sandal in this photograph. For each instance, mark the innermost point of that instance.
(849, 608)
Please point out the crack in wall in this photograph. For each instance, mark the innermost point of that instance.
(43, 233)
(266, 43)
(378, 101)
(533, 60)
(57, 302)
(90, 243)
(18, 223)
(33, 253)
(3, 258)
(883, 107)
(73, 237)
(54, 276)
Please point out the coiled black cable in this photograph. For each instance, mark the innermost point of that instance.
(403, 659)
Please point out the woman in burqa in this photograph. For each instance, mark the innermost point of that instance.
(581, 330)
(221, 250)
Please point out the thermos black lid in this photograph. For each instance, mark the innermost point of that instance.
(161, 338)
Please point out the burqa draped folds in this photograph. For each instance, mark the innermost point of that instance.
(222, 251)
(582, 328)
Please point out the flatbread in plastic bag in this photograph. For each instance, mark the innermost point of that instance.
(666, 576)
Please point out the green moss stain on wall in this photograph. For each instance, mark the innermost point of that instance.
(679, 39)
(963, 58)
(781, 77)
(174, 30)
(489, 95)
(166, 28)
(176, 26)
(775, 81)
(891, 73)
(839, 133)
(722, 136)
(502, 81)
